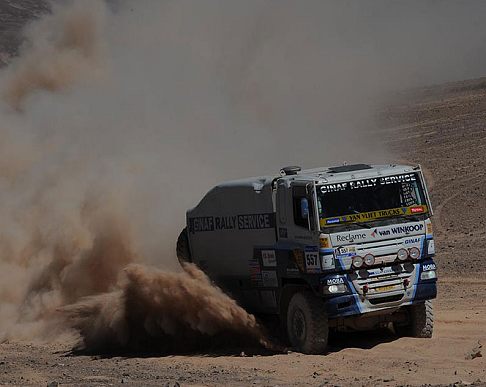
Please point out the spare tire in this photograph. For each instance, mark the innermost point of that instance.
(182, 249)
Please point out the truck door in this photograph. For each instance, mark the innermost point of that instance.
(303, 217)
(296, 212)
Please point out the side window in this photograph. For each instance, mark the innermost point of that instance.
(299, 193)
(409, 194)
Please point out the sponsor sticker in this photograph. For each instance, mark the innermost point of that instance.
(333, 220)
(324, 241)
(407, 229)
(328, 262)
(312, 263)
(428, 267)
(255, 272)
(234, 222)
(347, 250)
(269, 278)
(417, 210)
(299, 258)
(372, 215)
(412, 241)
(350, 237)
(385, 232)
(335, 281)
(201, 223)
(367, 183)
(269, 258)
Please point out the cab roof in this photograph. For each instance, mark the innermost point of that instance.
(324, 175)
(350, 172)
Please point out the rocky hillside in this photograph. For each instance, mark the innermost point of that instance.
(13, 16)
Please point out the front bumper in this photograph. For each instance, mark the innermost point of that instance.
(356, 302)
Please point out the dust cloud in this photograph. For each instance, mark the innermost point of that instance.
(116, 117)
(60, 48)
(163, 311)
(76, 211)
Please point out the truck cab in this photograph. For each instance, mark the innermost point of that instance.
(338, 248)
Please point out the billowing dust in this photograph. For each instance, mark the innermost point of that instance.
(118, 116)
(69, 265)
(170, 312)
(58, 49)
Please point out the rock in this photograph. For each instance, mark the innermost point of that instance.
(475, 352)
(52, 384)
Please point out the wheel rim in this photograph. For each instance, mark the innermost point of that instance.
(298, 325)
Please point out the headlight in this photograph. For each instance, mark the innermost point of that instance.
(427, 275)
(402, 254)
(335, 289)
(357, 261)
(369, 259)
(414, 253)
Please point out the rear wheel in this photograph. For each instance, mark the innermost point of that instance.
(182, 249)
(307, 323)
(421, 321)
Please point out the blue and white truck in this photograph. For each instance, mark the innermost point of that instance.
(327, 249)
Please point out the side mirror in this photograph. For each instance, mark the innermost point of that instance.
(304, 208)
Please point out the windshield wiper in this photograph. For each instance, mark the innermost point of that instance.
(408, 217)
(364, 225)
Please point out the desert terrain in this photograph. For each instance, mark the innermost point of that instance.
(13, 16)
(441, 127)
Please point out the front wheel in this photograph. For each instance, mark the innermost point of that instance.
(307, 323)
(421, 321)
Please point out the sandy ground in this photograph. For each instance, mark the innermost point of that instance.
(443, 129)
(377, 359)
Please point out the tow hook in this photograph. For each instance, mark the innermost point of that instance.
(406, 282)
(365, 290)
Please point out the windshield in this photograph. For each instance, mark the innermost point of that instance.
(369, 199)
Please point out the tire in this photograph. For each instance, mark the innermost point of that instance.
(421, 321)
(182, 249)
(307, 323)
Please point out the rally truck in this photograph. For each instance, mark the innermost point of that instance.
(344, 248)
